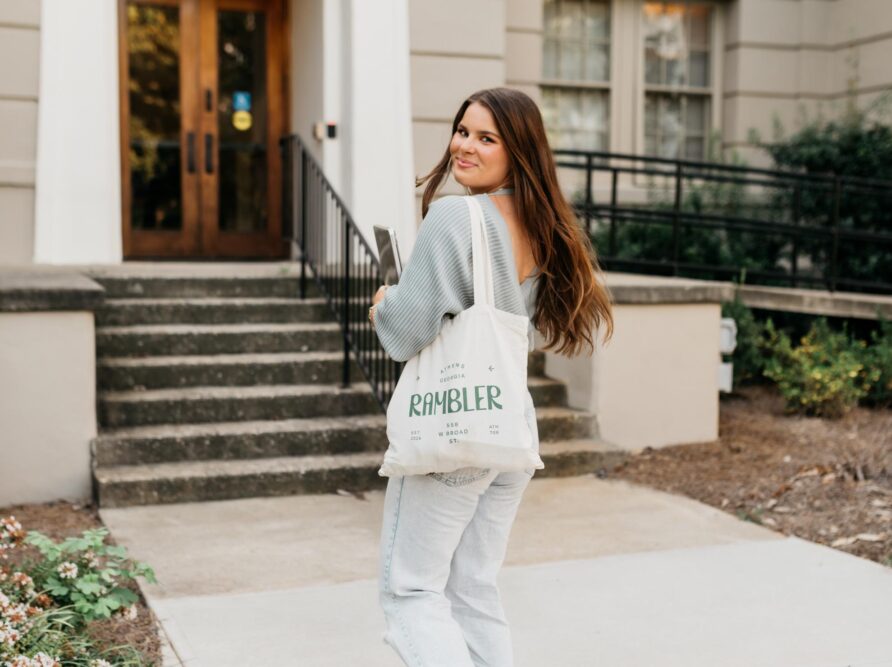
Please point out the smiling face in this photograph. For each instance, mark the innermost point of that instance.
(479, 158)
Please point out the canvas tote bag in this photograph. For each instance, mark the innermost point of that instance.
(461, 400)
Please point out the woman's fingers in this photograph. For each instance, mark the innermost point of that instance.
(379, 294)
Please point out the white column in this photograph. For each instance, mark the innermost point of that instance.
(381, 179)
(78, 183)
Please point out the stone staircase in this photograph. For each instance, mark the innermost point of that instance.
(212, 388)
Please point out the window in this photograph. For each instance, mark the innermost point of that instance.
(576, 73)
(677, 79)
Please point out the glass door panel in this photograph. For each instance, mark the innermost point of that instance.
(153, 39)
(242, 121)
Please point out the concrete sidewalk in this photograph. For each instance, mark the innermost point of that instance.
(599, 573)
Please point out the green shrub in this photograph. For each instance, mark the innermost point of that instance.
(878, 357)
(824, 376)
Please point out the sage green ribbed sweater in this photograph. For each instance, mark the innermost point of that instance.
(437, 281)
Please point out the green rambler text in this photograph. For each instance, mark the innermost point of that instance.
(455, 400)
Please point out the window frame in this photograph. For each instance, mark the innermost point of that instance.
(713, 93)
(606, 87)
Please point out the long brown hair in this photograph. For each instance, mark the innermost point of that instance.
(571, 300)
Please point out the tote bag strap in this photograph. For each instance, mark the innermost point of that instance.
(482, 266)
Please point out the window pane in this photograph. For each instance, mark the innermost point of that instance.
(652, 66)
(575, 118)
(597, 64)
(675, 74)
(550, 59)
(693, 148)
(699, 22)
(570, 66)
(568, 23)
(241, 73)
(576, 44)
(650, 115)
(696, 115)
(676, 35)
(153, 79)
(699, 69)
(596, 26)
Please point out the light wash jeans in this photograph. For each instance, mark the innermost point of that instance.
(443, 541)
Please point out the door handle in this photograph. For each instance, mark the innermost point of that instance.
(208, 153)
(190, 152)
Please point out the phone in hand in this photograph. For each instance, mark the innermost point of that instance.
(388, 254)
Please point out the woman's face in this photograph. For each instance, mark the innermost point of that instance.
(479, 158)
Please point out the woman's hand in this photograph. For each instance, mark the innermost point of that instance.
(375, 300)
(379, 295)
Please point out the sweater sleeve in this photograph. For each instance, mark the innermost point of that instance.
(436, 282)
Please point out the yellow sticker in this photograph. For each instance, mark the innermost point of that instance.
(241, 120)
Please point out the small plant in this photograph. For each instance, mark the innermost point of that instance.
(86, 572)
(823, 376)
(37, 627)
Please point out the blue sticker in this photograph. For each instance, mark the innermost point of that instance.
(241, 101)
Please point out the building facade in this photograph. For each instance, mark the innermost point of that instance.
(148, 129)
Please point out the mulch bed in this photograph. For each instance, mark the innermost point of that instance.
(828, 481)
(62, 519)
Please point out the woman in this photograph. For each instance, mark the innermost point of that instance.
(444, 535)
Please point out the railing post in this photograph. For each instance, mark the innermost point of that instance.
(588, 194)
(676, 220)
(797, 214)
(614, 177)
(346, 315)
(837, 195)
(303, 222)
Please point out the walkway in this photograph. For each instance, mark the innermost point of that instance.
(599, 573)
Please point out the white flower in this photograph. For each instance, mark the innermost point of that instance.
(44, 660)
(130, 613)
(92, 561)
(99, 662)
(67, 570)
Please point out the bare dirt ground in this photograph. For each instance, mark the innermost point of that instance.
(828, 481)
(61, 519)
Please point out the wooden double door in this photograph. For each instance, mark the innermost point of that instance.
(203, 93)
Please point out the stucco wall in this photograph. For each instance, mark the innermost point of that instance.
(47, 405)
(19, 68)
(789, 57)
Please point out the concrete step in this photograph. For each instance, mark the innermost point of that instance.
(194, 405)
(536, 363)
(124, 373)
(159, 286)
(161, 372)
(216, 310)
(240, 440)
(546, 391)
(192, 339)
(192, 481)
(288, 437)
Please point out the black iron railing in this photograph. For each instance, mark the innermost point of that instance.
(343, 266)
(714, 220)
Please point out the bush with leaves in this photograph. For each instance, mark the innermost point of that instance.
(824, 376)
(878, 356)
(855, 143)
(37, 627)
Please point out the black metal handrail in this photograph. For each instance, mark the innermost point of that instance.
(345, 270)
(815, 219)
